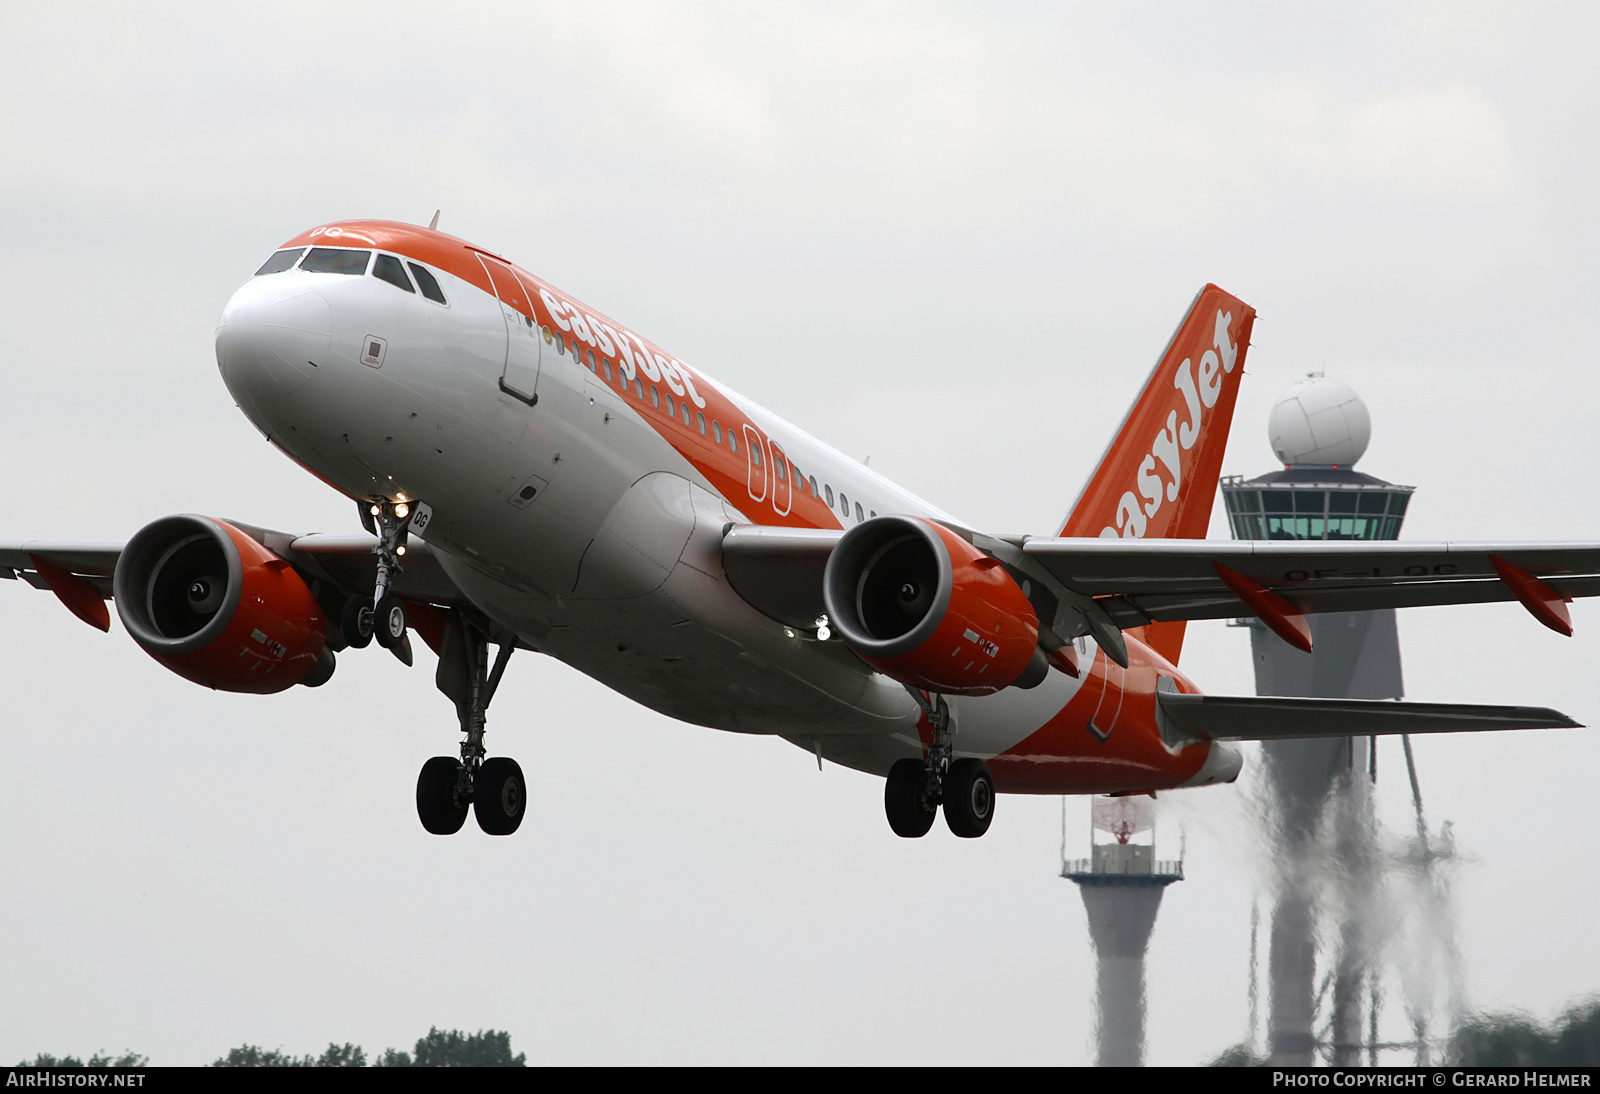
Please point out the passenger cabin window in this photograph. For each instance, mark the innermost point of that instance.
(388, 268)
(672, 408)
(280, 261)
(814, 489)
(733, 443)
(336, 260)
(844, 504)
(777, 466)
(638, 389)
(606, 366)
(427, 283)
(655, 396)
(716, 432)
(686, 414)
(859, 517)
(700, 420)
(755, 454)
(829, 489)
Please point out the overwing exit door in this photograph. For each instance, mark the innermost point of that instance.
(520, 377)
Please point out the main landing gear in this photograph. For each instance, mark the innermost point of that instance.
(492, 787)
(447, 788)
(915, 789)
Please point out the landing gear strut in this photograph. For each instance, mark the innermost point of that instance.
(493, 788)
(384, 616)
(915, 789)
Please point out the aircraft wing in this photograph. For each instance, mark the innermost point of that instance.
(94, 562)
(779, 570)
(1269, 718)
(1137, 582)
(347, 561)
(1144, 581)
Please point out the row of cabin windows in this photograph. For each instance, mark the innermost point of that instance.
(388, 268)
(602, 367)
(341, 260)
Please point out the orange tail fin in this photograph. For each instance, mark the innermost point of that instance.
(1158, 478)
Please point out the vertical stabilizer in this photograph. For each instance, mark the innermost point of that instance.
(1158, 478)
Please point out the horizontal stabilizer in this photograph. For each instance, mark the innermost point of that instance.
(1270, 718)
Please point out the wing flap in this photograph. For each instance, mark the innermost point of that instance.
(1270, 718)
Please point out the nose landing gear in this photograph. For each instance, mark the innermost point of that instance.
(384, 616)
(493, 788)
(915, 789)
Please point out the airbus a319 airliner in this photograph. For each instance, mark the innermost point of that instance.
(534, 475)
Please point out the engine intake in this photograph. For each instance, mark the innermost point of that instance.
(218, 608)
(922, 605)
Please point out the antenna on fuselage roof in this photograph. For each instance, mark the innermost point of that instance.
(433, 225)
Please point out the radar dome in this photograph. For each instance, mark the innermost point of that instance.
(1320, 422)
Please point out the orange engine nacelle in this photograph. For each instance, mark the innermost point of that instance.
(922, 605)
(218, 608)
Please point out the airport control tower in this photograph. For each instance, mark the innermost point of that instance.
(1121, 883)
(1321, 789)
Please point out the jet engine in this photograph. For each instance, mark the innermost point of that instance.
(218, 608)
(922, 605)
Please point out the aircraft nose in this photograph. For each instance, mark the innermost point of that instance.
(271, 339)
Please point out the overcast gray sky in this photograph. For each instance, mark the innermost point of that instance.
(950, 237)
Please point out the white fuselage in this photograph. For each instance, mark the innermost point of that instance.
(576, 522)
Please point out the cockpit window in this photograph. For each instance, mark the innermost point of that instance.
(336, 260)
(388, 268)
(427, 283)
(280, 261)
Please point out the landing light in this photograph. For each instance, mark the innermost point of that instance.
(399, 550)
(376, 510)
(402, 510)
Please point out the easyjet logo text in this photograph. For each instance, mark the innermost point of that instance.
(633, 355)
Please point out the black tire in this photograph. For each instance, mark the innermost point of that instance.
(910, 814)
(499, 796)
(389, 622)
(356, 622)
(968, 798)
(437, 806)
